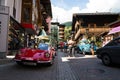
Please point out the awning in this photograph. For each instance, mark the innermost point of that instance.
(43, 33)
(114, 30)
(30, 28)
(17, 25)
(43, 37)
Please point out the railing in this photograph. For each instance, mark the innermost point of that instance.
(91, 30)
(61, 29)
(94, 30)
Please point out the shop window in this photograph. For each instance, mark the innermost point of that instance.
(16, 35)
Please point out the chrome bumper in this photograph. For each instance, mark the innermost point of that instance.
(17, 60)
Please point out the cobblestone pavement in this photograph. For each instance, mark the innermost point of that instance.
(65, 72)
(79, 67)
(68, 70)
(60, 70)
(85, 67)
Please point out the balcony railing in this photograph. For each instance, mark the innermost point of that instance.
(94, 30)
(91, 30)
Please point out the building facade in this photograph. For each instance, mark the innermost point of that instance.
(55, 32)
(92, 25)
(27, 18)
(61, 31)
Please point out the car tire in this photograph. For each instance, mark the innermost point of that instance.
(106, 60)
(19, 63)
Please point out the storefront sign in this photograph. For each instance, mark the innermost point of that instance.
(4, 21)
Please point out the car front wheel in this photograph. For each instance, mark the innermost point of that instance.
(106, 60)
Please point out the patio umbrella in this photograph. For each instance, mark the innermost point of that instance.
(43, 35)
(114, 30)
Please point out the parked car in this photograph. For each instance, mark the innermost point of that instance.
(85, 47)
(110, 53)
(30, 56)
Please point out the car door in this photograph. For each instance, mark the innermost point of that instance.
(115, 50)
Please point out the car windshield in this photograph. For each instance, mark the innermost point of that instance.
(43, 45)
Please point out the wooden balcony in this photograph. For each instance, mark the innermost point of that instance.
(61, 29)
(95, 31)
(61, 36)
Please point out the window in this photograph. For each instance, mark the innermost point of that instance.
(26, 14)
(117, 42)
(114, 43)
(2, 2)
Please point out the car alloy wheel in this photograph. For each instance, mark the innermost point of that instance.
(106, 60)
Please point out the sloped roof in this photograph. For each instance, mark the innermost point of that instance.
(98, 18)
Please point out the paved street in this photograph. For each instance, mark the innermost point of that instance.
(80, 67)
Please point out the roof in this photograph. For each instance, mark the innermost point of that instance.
(99, 18)
(115, 23)
(97, 13)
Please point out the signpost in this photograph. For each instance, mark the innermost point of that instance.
(4, 22)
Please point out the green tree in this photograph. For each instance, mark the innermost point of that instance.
(67, 32)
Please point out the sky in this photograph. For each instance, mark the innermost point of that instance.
(63, 10)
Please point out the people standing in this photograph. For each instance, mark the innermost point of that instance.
(65, 46)
(62, 46)
(71, 43)
(92, 47)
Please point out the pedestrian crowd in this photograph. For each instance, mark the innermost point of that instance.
(68, 47)
(71, 47)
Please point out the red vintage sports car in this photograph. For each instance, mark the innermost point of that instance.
(29, 56)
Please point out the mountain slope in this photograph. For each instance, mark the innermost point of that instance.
(68, 24)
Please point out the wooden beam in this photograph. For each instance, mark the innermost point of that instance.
(39, 13)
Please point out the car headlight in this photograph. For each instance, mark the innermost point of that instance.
(47, 55)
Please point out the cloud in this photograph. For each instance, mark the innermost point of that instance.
(61, 15)
(100, 5)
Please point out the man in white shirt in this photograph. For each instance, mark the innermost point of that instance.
(71, 47)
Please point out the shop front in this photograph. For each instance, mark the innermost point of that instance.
(15, 36)
(30, 32)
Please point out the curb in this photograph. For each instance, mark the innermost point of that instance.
(5, 61)
(9, 59)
